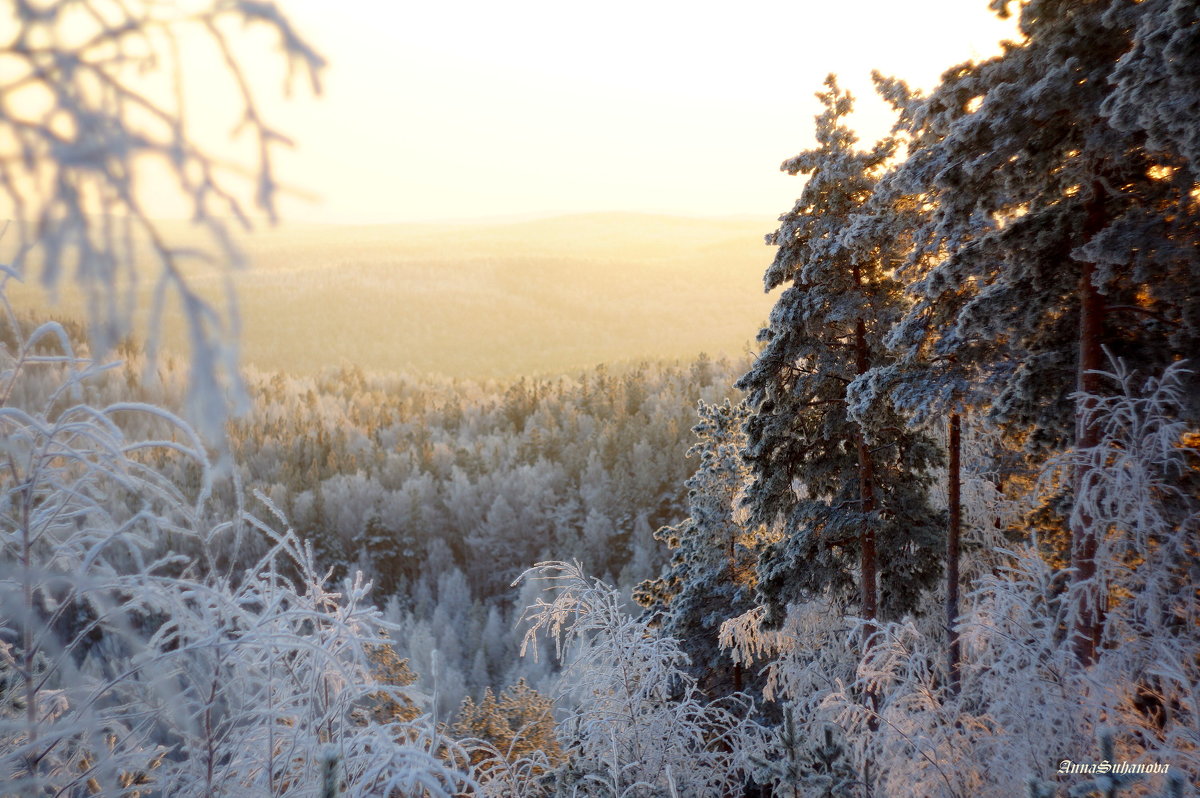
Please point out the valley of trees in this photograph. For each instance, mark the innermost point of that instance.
(939, 537)
(442, 492)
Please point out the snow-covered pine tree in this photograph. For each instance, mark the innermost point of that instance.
(711, 574)
(842, 489)
(1062, 235)
(924, 378)
(1157, 84)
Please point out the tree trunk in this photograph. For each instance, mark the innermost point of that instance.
(866, 495)
(1089, 604)
(866, 490)
(954, 488)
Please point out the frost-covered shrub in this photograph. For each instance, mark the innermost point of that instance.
(511, 739)
(810, 668)
(130, 662)
(635, 723)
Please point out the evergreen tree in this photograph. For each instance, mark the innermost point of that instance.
(711, 574)
(518, 724)
(1157, 84)
(395, 555)
(924, 378)
(1058, 235)
(841, 488)
(391, 672)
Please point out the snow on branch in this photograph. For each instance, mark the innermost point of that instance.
(92, 106)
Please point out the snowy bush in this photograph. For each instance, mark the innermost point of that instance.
(635, 723)
(810, 664)
(130, 663)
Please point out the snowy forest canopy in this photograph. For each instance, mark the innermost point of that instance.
(940, 538)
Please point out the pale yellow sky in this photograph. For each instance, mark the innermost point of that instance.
(459, 109)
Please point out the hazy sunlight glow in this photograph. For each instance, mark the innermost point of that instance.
(465, 109)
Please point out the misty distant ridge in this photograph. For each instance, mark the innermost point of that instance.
(496, 298)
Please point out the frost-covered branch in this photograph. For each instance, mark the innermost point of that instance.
(92, 108)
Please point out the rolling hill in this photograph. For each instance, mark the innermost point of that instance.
(497, 299)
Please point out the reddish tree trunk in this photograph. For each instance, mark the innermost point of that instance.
(954, 489)
(866, 490)
(1089, 603)
(1084, 541)
(866, 495)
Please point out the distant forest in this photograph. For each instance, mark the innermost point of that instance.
(477, 300)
